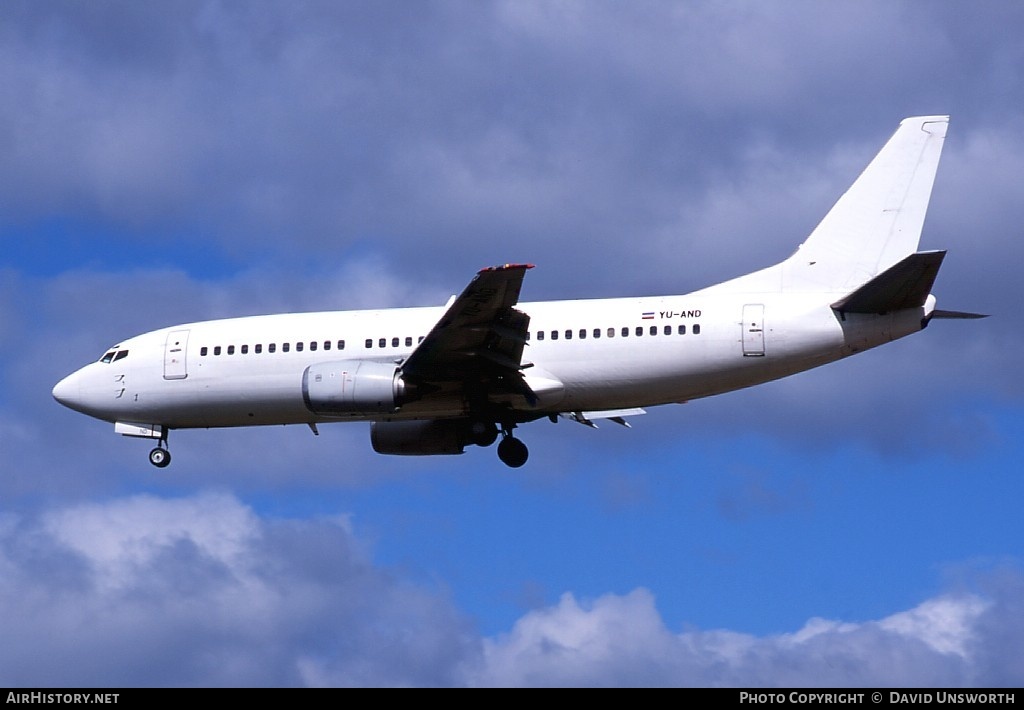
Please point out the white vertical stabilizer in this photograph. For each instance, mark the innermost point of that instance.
(878, 221)
(874, 225)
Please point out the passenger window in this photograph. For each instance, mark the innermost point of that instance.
(654, 330)
(597, 332)
(341, 345)
(285, 347)
(527, 335)
(231, 350)
(611, 332)
(394, 342)
(554, 335)
(327, 345)
(202, 351)
(258, 348)
(312, 345)
(298, 347)
(369, 342)
(568, 335)
(216, 350)
(272, 348)
(583, 333)
(682, 330)
(408, 341)
(383, 342)
(540, 335)
(625, 331)
(421, 338)
(696, 328)
(639, 330)
(245, 349)
(668, 330)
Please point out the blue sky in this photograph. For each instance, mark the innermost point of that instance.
(854, 525)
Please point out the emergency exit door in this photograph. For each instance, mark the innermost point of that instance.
(753, 330)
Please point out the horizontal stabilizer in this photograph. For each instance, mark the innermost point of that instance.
(956, 315)
(903, 285)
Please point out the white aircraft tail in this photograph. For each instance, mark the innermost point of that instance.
(877, 223)
(873, 227)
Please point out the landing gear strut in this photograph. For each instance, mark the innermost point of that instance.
(512, 452)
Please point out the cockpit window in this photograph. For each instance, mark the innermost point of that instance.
(113, 356)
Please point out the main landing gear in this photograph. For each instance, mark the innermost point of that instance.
(512, 451)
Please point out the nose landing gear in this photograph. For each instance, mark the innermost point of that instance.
(161, 455)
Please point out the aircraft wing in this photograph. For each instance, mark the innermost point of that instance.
(480, 338)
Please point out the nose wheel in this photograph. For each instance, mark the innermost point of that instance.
(160, 457)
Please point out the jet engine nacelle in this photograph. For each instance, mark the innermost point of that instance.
(426, 437)
(353, 387)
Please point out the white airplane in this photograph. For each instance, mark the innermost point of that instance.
(435, 380)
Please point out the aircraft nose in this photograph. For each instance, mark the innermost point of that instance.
(84, 391)
(69, 391)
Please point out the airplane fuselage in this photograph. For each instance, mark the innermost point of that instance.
(602, 354)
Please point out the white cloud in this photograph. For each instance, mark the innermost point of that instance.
(622, 640)
(203, 590)
(479, 128)
(945, 625)
(118, 538)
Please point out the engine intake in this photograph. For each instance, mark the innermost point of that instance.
(353, 387)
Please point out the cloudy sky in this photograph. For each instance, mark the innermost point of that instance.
(164, 163)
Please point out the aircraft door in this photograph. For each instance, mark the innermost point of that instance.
(753, 330)
(175, 350)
